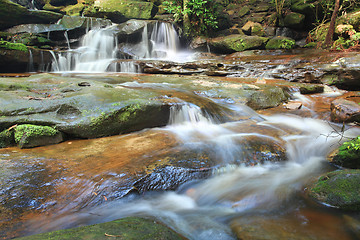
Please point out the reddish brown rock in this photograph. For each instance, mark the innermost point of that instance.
(343, 110)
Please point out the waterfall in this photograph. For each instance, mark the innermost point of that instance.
(99, 50)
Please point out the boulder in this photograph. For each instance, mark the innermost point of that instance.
(294, 20)
(343, 78)
(343, 110)
(266, 98)
(238, 42)
(280, 43)
(6, 138)
(120, 11)
(339, 189)
(254, 29)
(28, 136)
(311, 88)
(348, 154)
(126, 228)
(12, 14)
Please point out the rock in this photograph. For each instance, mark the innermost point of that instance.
(28, 136)
(343, 78)
(266, 98)
(126, 228)
(120, 11)
(254, 29)
(236, 43)
(280, 43)
(343, 110)
(199, 43)
(293, 105)
(12, 14)
(338, 189)
(348, 154)
(294, 20)
(6, 138)
(131, 30)
(311, 88)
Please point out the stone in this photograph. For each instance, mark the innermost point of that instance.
(343, 110)
(238, 42)
(280, 43)
(339, 189)
(266, 98)
(6, 138)
(254, 29)
(126, 228)
(293, 105)
(348, 154)
(294, 20)
(28, 136)
(311, 88)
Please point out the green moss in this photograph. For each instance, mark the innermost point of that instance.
(339, 189)
(280, 43)
(311, 88)
(127, 228)
(311, 45)
(26, 131)
(13, 87)
(13, 46)
(349, 154)
(6, 138)
(129, 111)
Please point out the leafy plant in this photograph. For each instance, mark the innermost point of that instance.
(197, 16)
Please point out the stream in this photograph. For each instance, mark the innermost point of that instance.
(256, 166)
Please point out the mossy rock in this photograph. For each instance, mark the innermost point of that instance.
(311, 89)
(340, 189)
(13, 46)
(294, 20)
(6, 138)
(27, 136)
(266, 98)
(128, 228)
(74, 10)
(238, 42)
(280, 42)
(348, 154)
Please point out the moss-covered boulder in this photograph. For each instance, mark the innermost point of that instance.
(294, 20)
(120, 11)
(340, 189)
(127, 228)
(280, 42)
(12, 14)
(13, 46)
(348, 154)
(27, 136)
(237, 43)
(311, 88)
(343, 110)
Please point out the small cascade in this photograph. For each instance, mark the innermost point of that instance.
(99, 51)
(188, 113)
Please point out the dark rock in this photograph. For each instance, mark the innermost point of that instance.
(129, 228)
(348, 154)
(338, 189)
(7, 138)
(343, 110)
(84, 84)
(343, 78)
(294, 20)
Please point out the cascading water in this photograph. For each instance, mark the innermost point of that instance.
(99, 50)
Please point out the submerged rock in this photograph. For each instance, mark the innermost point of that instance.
(338, 189)
(343, 110)
(126, 228)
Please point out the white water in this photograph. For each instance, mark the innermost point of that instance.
(202, 210)
(99, 51)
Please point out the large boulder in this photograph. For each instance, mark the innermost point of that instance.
(343, 110)
(280, 43)
(126, 228)
(237, 43)
(119, 10)
(340, 189)
(348, 154)
(294, 20)
(12, 14)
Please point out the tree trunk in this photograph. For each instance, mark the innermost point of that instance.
(186, 20)
(330, 34)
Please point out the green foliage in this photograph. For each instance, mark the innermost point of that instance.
(202, 14)
(28, 130)
(13, 46)
(349, 154)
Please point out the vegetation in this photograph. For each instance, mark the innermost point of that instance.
(197, 16)
(349, 154)
(13, 46)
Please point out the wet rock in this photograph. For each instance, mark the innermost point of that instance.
(129, 228)
(7, 138)
(130, 29)
(338, 189)
(266, 98)
(353, 224)
(293, 105)
(311, 89)
(343, 110)
(343, 78)
(236, 43)
(348, 154)
(12, 14)
(280, 43)
(27, 136)
(199, 43)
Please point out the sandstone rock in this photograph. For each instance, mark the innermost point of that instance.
(343, 110)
